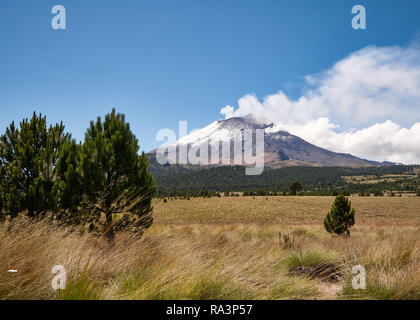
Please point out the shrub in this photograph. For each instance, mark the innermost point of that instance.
(378, 193)
(341, 217)
(346, 193)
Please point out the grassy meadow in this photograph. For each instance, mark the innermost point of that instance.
(224, 248)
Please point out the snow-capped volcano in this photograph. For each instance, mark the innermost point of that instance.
(225, 130)
(280, 147)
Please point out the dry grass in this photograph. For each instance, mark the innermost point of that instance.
(222, 249)
(285, 210)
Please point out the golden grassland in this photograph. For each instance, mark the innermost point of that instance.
(224, 248)
(285, 210)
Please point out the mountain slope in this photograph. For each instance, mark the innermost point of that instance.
(280, 147)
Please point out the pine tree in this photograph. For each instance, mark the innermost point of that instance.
(68, 187)
(28, 158)
(341, 217)
(295, 187)
(115, 178)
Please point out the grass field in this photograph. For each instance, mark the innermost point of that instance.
(285, 210)
(224, 248)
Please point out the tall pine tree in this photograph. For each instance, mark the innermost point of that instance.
(115, 177)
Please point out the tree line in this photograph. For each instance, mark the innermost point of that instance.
(176, 180)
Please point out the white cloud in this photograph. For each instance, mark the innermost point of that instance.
(382, 141)
(372, 89)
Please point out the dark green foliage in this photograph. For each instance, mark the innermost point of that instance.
(341, 217)
(295, 187)
(28, 158)
(69, 186)
(42, 169)
(188, 194)
(116, 179)
(176, 180)
(258, 193)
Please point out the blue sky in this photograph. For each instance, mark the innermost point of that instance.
(164, 61)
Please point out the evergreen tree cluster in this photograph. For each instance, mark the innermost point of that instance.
(43, 170)
(175, 180)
